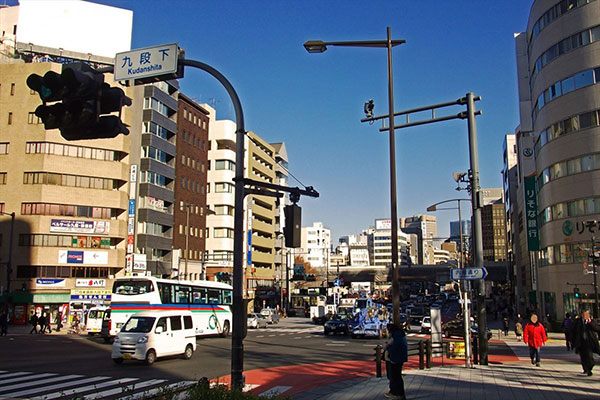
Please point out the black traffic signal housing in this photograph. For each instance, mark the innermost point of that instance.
(576, 293)
(223, 277)
(81, 98)
(293, 225)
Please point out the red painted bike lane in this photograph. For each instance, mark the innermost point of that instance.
(302, 377)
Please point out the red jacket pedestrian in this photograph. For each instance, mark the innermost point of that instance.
(534, 335)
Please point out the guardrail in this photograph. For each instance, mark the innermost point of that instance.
(424, 349)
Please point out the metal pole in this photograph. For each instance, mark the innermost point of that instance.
(187, 239)
(239, 313)
(595, 278)
(287, 284)
(9, 262)
(466, 310)
(476, 228)
(393, 200)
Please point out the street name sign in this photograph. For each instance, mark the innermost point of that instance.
(470, 274)
(148, 64)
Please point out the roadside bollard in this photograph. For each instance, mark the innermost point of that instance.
(421, 354)
(378, 349)
(475, 351)
(428, 357)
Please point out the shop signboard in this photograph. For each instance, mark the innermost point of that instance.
(139, 262)
(77, 226)
(90, 296)
(129, 263)
(456, 350)
(82, 257)
(533, 240)
(90, 282)
(131, 207)
(131, 225)
(383, 224)
(49, 282)
(130, 244)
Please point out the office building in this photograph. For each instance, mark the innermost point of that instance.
(316, 245)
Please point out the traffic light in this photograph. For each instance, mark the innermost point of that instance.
(576, 293)
(81, 98)
(293, 225)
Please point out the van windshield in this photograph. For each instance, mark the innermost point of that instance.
(138, 324)
(96, 314)
(132, 287)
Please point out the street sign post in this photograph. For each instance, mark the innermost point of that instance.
(471, 274)
(148, 64)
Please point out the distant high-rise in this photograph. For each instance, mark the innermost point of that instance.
(455, 228)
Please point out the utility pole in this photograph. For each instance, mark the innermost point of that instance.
(596, 315)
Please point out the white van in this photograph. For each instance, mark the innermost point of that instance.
(94, 320)
(148, 335)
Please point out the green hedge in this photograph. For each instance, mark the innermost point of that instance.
(219, 392)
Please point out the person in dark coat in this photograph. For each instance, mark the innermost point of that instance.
(505, 324)
(396, 354)
(534, 335)
(567, 327)
(585, 335)
(34, 323)
(58, 321)
(3, 323)
(42, 323)
(49, 322)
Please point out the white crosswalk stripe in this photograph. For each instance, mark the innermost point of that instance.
(48, 386)
(291, 330)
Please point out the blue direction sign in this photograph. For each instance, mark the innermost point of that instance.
(469, 274)
(336, 282)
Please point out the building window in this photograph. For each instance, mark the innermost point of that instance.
(2, 178)
(224, 165)
(10, 118)
(12, 89)
(4, 148)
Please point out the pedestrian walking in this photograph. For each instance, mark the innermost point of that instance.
(49, 322)
(42, 323)
(585, 333)
(534, 335)
(505, 324)
(3, 324)
(519, 327)
(547, 322)
(396, 354)
(567, 328)
(34, 322)
(58, 321)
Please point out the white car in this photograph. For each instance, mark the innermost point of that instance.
(271, 315)
(148, 335)
(426, 325)
(257, 321)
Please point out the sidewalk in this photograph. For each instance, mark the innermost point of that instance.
(559, 377)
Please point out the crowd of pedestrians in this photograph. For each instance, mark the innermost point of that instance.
(43, 322)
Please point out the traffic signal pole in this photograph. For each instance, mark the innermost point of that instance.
(596, 315)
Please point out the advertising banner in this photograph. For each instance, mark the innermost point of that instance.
(76, 226)
(456, 350)
(82, 257)
(90, 282)
(49, 283)
(533, 240)
(139, 262)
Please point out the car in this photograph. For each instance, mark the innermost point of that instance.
(336, 324)
(322, 319)
(257, 321)
(149, 335)
(271, 315)
(456, 327)
(426, 325)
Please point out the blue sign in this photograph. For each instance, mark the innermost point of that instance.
(337, 283)
(49, 282)
(469, 274)
(131, 206)
(75, 257)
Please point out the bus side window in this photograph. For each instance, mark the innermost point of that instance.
(227, 297)
(214, 296)
(181, 294)
(199, 296)
(164, 290)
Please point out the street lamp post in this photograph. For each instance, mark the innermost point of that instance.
(9, 262)
(318, 46)
(466, 314)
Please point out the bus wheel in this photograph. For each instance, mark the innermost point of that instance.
(189, 352)
(225, 331)
(150, 357)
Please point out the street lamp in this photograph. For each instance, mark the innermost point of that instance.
(319, 46)
(9, 262)
(466, 316)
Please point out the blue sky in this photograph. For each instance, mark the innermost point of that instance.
(314, 102)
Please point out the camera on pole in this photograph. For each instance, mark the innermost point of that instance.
(81, 98)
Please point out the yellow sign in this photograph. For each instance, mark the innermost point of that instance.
(456, 350)
(89, 292)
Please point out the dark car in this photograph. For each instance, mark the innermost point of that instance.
(337, 324)
(456, 327)
(322, 320)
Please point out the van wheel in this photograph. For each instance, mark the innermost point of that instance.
(189, 352)
(150, 357)
(225, 331)
(118, 360)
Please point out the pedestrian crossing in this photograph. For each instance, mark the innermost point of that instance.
(48, 386)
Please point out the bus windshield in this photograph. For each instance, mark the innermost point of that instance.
(132, 287)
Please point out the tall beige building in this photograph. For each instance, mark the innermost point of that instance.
(70, 200)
